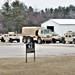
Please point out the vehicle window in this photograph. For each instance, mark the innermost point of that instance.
(50, 31)
(66, 36)
(47, 31)
(4, 35)
(41, 31)
(69, 35)
(14, 35)
(10, 35)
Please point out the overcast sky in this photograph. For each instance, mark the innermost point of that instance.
(42, 4)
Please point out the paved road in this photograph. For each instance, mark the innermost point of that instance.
(18, 49)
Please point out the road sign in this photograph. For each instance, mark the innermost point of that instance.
(30, 48)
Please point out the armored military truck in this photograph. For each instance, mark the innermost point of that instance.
(56, 37)
(69, 37)
(10, 37)
(0, 36)
(36, 34)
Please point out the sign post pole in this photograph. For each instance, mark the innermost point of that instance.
(26, 56)
(34, 56)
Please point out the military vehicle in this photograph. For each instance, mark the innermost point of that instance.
(10, 37)
(36, 34)
(0, 36)
(69, 37)
(56, 37)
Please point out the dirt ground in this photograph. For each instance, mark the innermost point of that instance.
(53, 65)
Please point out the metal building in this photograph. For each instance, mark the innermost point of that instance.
(60, 26)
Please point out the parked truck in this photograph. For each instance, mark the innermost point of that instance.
(69, 37)
(0, 37)
(10, 37)
(56, 37)
(36, 34)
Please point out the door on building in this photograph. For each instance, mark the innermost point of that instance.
(50, 27)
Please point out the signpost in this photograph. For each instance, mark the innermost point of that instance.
(30, 48)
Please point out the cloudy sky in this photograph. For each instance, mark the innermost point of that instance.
(42, 4)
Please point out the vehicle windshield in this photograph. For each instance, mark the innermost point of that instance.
(47, 31)
(10, 35)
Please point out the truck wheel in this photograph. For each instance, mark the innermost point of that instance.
(29, 40)
(2, 40)
(54, 40)
(60, 41)
(48, 42)
(39, 40)
(43, 41)
(63, 41)
(18, 40)
(10, 40)
(74, 41)
(24, 39)
(70, 42)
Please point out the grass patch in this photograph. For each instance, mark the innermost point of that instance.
(53, 65)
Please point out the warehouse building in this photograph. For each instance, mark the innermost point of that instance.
(60, 26)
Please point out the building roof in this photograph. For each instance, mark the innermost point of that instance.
(64, 21)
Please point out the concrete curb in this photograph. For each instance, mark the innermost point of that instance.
(59, 45)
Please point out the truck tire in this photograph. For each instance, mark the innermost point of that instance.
(70, 42)
(48, 42)
(60, 41)
(18, 40)
(63, 41)
(10, 40)
(29, 40)
(74, 41)
(2, 40)
(39, 41)
(24, 40)
(54, 40)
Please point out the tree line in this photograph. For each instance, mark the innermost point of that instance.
(16, 15)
